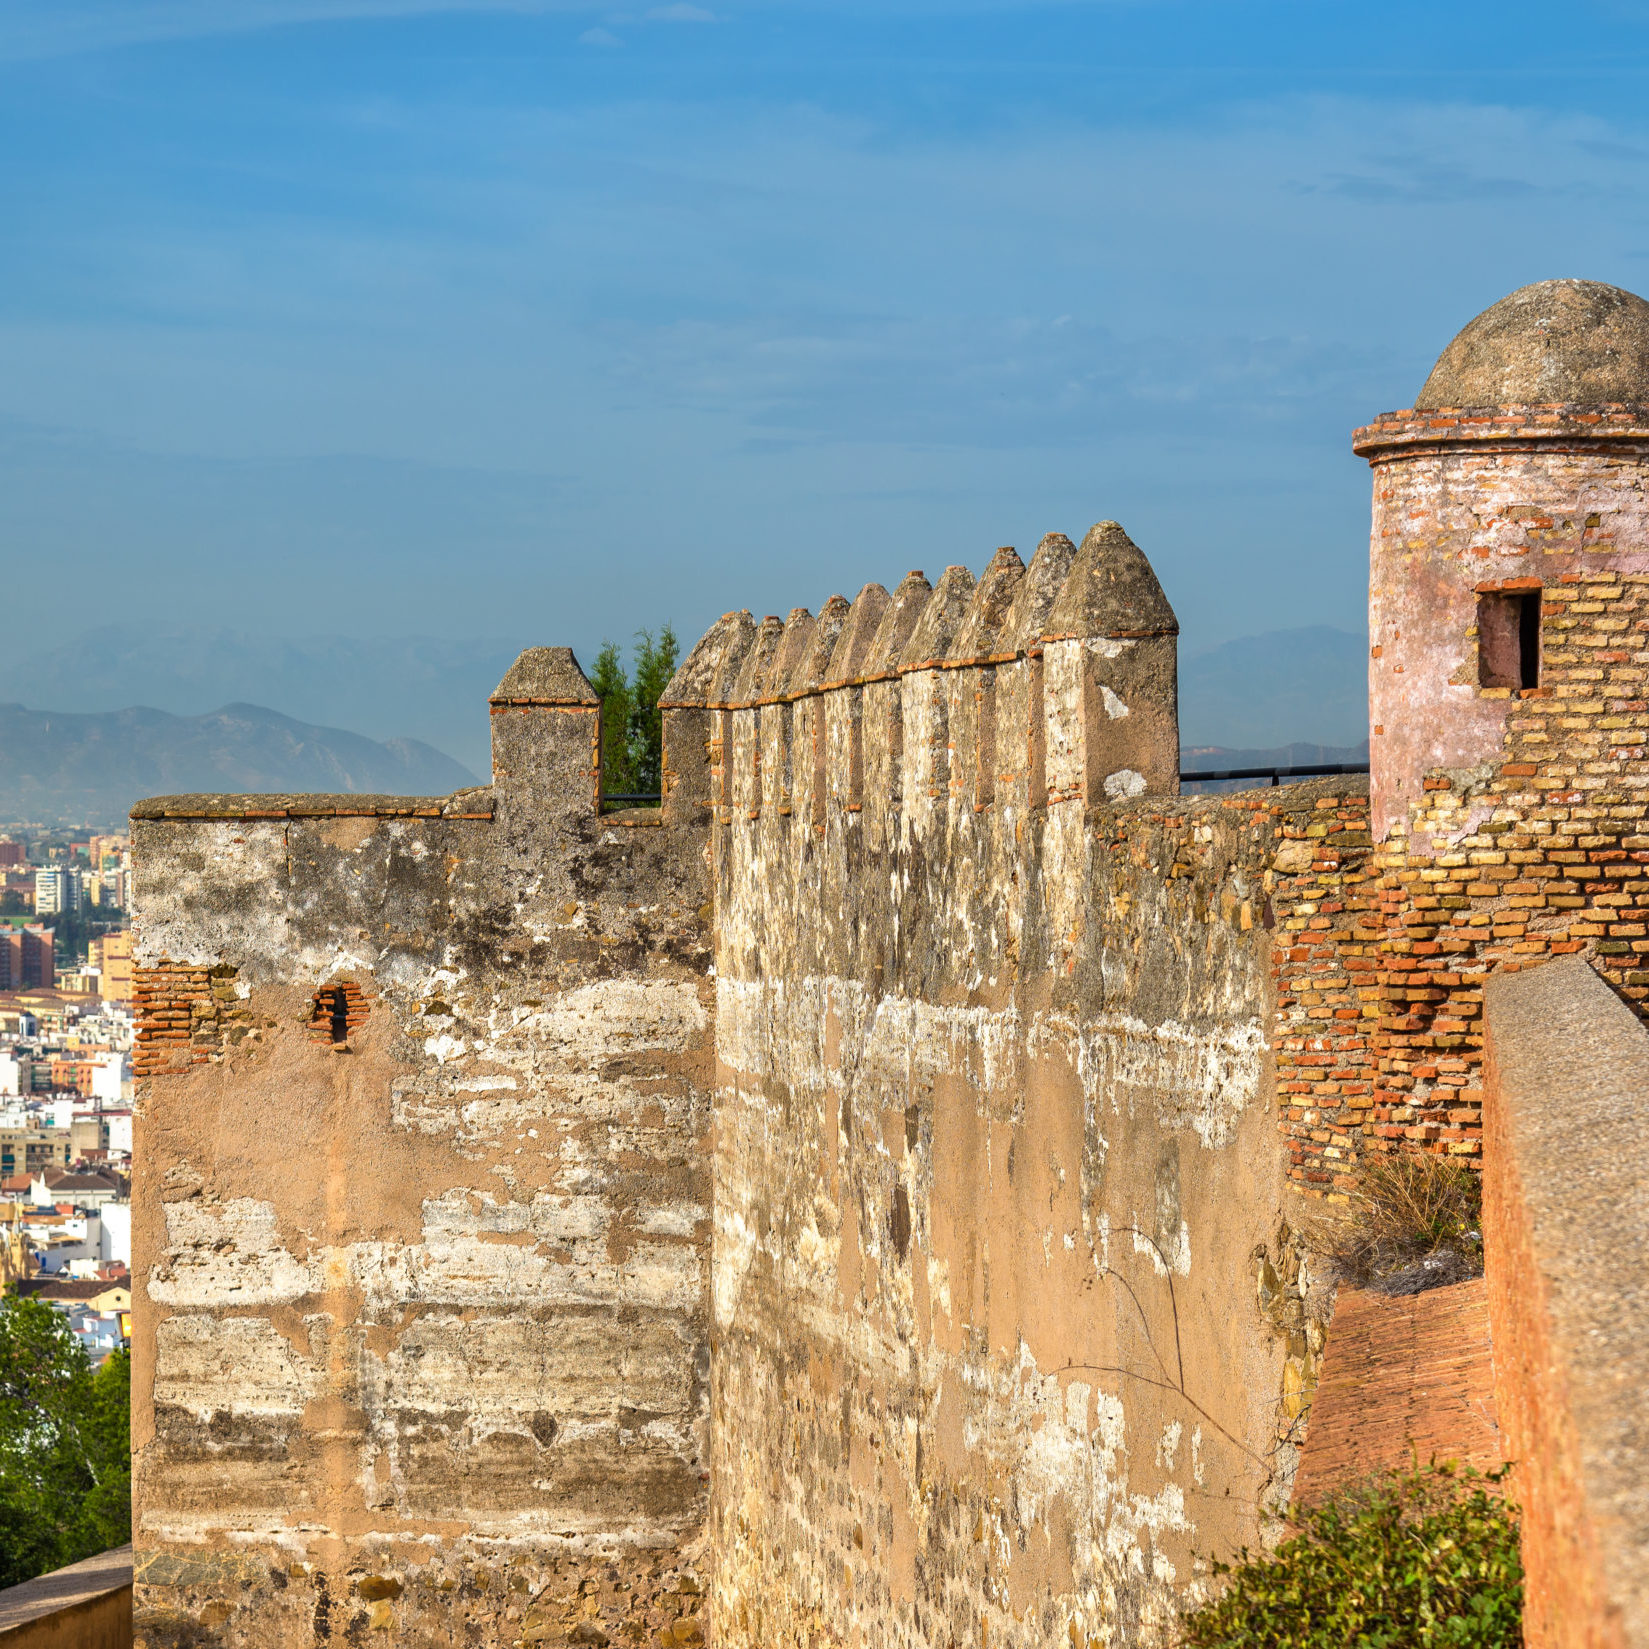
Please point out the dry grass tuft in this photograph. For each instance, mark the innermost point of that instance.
(1414, 1222)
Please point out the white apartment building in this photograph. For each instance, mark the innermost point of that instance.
(56, 891)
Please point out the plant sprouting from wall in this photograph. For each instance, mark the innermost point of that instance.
(1413, 1222)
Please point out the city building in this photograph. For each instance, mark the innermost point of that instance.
(115, 1234)
(16, 1072)
(111, 955)
(33, 1150)
(57, 891)
(28, 958)
(95, 1293)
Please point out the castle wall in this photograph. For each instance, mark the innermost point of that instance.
(422, 1327)
(1007, 1322)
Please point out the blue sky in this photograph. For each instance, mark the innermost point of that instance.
(556, 320)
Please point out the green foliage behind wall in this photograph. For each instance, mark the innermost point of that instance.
(632, 728)
(65, 1445)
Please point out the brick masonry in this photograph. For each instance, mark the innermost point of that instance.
(1507, 823)
(1403, 1380)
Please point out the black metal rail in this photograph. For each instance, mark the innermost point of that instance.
(1312, 770)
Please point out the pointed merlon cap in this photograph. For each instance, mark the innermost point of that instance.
(1038, 591)
(732, 664)
(1110, 591)
(545, 675)
(833, 618)
(693, 685)
(755, 679)
(853, 647)
(790, 666)
(930, 641)
(899, 623)
(980, 631)
(1556, 341)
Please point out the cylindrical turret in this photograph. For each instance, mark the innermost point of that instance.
(1523, 465)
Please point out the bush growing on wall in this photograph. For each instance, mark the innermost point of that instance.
(1414, 1222)
(1419, 1559)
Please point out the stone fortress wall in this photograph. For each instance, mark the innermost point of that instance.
(1005, 1310)
(854, 1203)
(423, 1196)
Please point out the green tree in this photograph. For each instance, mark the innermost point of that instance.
(106, 1432)
(632, 727)
(655, 664)
(65, 1445)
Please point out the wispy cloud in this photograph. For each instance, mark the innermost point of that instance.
(58, 28)
(599, 37)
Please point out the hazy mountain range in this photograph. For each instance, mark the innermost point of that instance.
(1307, 686)
(408, 700)
(416, 687)
(58, 767)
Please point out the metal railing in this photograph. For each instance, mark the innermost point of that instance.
(1310, 770)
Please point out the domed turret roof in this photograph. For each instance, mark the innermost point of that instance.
(1563, 340)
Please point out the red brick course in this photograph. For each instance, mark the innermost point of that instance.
(324, 1014)
(179, 1010)
(1402, 1380)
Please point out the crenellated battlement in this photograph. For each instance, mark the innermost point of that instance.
(1033, 685)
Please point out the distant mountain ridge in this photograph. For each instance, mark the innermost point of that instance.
(1218, 758)
(429, 687)
(1307, 686)
(62, 767)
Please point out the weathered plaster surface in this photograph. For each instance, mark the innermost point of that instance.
(422, 1339)
(993, 1112)
(1451, 516)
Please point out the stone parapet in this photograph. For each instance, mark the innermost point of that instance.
(1529, 427)
(421, 1208)
(1566, 1226)
(87, 1605)
(1054, 683)
(465, 804)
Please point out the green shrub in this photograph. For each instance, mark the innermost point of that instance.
(1419, 1559)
